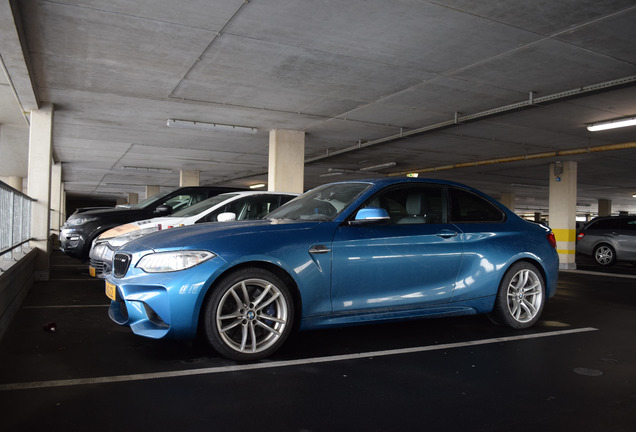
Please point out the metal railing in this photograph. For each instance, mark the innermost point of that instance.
(15, 220)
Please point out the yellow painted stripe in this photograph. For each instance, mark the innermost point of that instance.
(566, 251)
(568, 235)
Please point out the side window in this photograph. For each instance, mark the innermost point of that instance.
(211, 217)
(237, 207)
(255, 207)
(259, 206)
(419, 204)
(185, 200)
(627, 224)
(604, 224)
(468, 207)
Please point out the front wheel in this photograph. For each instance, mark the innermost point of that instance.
(249, 315)
(520, 298)
(604, 255)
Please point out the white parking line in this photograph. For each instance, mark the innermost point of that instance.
(86, 279)
(589, 272)
(67, 306)
(278, 364)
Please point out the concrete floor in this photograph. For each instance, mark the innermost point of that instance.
(575, 370)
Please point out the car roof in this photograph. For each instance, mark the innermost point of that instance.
(387, 181)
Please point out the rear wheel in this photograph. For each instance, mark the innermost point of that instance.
(249, 315)
(520, 298)
(604, 255)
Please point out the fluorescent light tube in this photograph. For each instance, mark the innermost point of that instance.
(612, 124)
(147, 169)
(187, 124)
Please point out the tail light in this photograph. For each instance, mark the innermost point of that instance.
(579, 236)
(552, 239)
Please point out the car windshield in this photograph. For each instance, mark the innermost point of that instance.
(203, 205)
(148, 201)
(323, 203)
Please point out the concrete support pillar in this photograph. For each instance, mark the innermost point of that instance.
(286, 161)
(120, 201)
(39, 185)
(56, 198)
(563, 179)
(14, 181)
(604, 207)
(62, 204)
(189, 178)
(133, 198)
(537, 216)
(152, 191)
(508, 199)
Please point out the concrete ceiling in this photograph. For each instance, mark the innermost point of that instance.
(462, 81)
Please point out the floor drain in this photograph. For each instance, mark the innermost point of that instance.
(588, 372)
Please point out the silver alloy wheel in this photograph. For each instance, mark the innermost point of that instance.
(525, 296)
(251, 316)
(604, 255)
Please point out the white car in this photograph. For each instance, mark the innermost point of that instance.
(220, 208)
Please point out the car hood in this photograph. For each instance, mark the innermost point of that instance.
(199, 236)
(110, 212)
(135, 226)
(164, 221)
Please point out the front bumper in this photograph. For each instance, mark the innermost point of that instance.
(162, 305)
(72, 242)
(101, 259)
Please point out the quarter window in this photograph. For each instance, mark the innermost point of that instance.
(468, 207)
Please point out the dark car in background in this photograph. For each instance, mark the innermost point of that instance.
(608, 239)
(248, 205)
(81, 228)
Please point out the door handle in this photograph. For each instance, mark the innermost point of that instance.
(319, 249)
(447, 234)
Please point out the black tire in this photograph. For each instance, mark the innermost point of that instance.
(249, 315)
(520, 298)
(604, 255)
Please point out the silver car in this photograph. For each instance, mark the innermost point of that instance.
(608, 239)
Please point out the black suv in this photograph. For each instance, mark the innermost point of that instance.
(81, 228)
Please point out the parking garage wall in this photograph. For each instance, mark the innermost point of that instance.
(15, 283)
(17, 259)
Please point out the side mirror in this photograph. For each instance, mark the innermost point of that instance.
(226, 217)
(163, 210)
(370, 215)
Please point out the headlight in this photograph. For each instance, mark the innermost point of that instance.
(121, 240)
(172, 261)
(80, 220)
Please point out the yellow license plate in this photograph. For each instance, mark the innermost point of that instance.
(111, 291)
(91, 271)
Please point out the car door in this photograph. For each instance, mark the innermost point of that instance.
(486, 243)
(625, 237)
(410, 261)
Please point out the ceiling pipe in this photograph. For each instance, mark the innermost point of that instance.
(558, 153)
(457, 120)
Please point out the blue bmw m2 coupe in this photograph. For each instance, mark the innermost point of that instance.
(343, 253)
